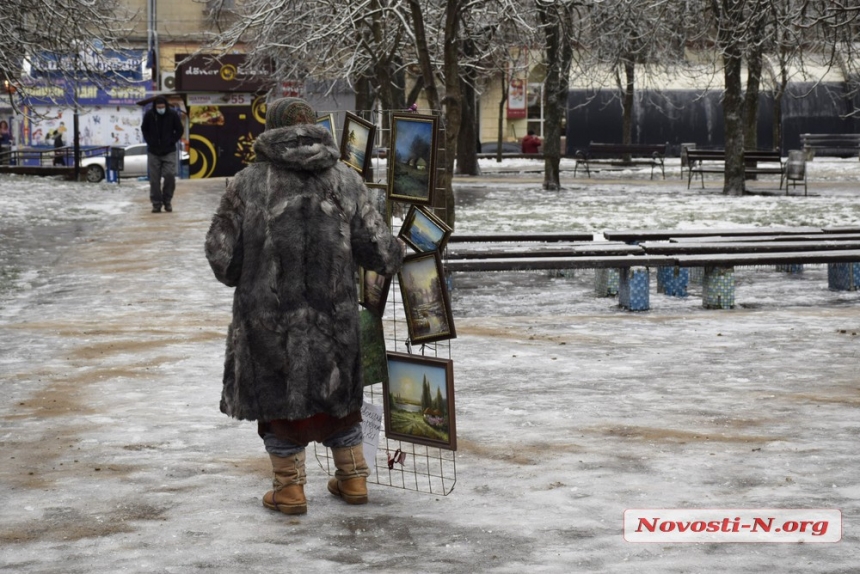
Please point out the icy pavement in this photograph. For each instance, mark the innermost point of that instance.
(569, 410)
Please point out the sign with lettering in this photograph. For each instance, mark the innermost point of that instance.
(128, 64)
(64, 92)
(371, 425)
(227, 73)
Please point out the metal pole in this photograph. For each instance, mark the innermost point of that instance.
(76, 136)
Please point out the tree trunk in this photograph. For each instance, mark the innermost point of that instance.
(424, 56)
(364, 95)
(501, 124)
(627, 102)
(777, 121)
(555, 21)
(467, 143)
(733, 104)
(627, 105)
(452, 103)
(754, 67)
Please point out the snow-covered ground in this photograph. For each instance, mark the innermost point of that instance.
(569, 411)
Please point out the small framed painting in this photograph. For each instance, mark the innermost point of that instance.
(373, 290)
(327, 121)
(425, 298)
(423, 231)
(356, 144)
(412, 165)
(418, 400)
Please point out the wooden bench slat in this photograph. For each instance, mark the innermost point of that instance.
(584, 251)
(521, 236)
(665, 234)
(549, 263)
(842, 229)
(659, 248)
(731, 260)
(773, 238)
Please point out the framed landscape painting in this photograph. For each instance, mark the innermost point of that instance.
(425, 298)
(423, 231)
(418, 400)
(412, 165)
(373, 290)
(327, 121)
(356, 143)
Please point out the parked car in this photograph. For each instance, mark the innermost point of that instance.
(134, 164)
(507, 147)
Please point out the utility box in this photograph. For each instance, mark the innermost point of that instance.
(115, 163)
(117, 158)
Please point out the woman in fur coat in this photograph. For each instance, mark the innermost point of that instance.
(289, 232)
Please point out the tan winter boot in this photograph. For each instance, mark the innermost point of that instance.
(288, 495)
(350, 479)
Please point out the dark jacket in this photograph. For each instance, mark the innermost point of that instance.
(288, 234)
(161, 132)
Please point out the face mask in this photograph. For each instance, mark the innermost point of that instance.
(161, 111)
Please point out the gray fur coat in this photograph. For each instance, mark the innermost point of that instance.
(288, 235)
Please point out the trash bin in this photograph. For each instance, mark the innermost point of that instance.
(795, 169)
(115, 164)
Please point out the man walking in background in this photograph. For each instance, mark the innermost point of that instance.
(162, 129)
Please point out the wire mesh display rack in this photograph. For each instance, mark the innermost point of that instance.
(401, 464)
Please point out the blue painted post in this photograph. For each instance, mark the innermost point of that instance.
(673, 281)
(634, 289)
(843, 276)
(606, 282)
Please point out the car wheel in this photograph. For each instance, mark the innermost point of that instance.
(95, 173)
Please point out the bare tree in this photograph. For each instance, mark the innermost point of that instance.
(633, 41)
(773, 36)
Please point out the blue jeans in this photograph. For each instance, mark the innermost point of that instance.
(347, 437)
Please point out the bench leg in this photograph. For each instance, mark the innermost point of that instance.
(843, 276)
(634, 289)
(718, 288)
(606, 282)
(673, 281)
(696, 275)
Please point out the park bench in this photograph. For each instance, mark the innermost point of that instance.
(718, 283)
(621, 155)
(673, 253)
(833, 145)
(702, 161)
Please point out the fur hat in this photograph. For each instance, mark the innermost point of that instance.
(289, 112)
